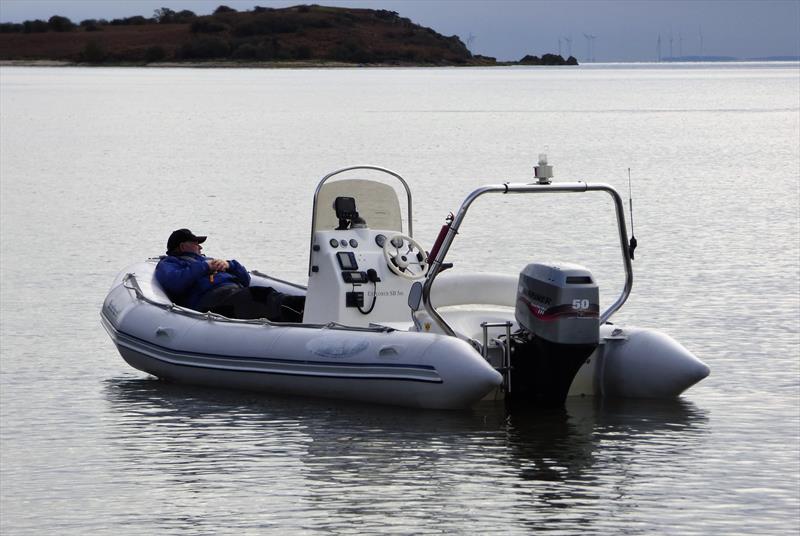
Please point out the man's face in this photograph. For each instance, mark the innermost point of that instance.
(191, 247)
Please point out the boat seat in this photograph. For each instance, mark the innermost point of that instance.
(481, 288)
(466, 322)
(466, 300)
(288, 308)
(291, 307)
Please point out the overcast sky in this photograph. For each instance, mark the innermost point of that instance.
(624, 30)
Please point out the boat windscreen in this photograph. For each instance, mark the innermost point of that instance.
(376, 203)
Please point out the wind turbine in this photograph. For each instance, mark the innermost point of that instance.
(658, 47)
(568, 40)
(700, 29)
(590, 47)
(671, 55)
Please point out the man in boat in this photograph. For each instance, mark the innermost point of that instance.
(220, 286)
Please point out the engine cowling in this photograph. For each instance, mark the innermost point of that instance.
(559, 303)
(557, 309)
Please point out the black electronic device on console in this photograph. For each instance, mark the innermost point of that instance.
(345, 208)
(355, 277)
(347, 260)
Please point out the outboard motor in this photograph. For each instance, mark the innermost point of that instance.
(558, 312)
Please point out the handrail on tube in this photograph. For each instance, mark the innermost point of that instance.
(130, 283)
(521, 188)
(352, 168)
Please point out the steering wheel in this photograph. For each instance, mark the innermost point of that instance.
(405, 257)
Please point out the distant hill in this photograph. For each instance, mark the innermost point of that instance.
(699, 58)
(727, 58)
(292, 35)
(776, 58)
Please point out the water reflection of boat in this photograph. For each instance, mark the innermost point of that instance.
(328, 464)
(560, 445)
(382, 326)
(336, 441)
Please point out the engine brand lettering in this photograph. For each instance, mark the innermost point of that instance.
(534, 296)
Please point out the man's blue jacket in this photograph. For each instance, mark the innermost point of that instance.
(188, 277)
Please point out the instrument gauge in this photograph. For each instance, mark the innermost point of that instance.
(334, 243)
(380, 240)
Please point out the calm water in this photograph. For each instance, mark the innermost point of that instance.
(97, 166)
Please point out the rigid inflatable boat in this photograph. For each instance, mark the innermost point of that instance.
(383, 324)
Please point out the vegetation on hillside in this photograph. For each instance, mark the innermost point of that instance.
(301, 33)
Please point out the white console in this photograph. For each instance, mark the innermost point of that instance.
(350, 281)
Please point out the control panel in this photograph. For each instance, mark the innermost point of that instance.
(350, 282)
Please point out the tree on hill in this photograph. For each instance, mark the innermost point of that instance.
(57, 23)
(34, 26)
(92, 25)
(166, 15)
(130, 21)
(163, 15)
(224, 9)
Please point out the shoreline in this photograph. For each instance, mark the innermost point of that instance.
(323, 64)
(319, 64)
(229, 64)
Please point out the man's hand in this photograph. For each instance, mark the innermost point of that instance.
(218, 265)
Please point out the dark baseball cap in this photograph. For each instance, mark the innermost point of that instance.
(183, 235)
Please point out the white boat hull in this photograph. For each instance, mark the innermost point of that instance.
(407, 368)
(370, 365)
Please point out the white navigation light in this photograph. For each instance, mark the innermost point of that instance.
(543, 171)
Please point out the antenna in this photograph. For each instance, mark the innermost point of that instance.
(632, 243)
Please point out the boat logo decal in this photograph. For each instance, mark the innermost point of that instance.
(386, 293)
(110, 309)
(336, 346)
